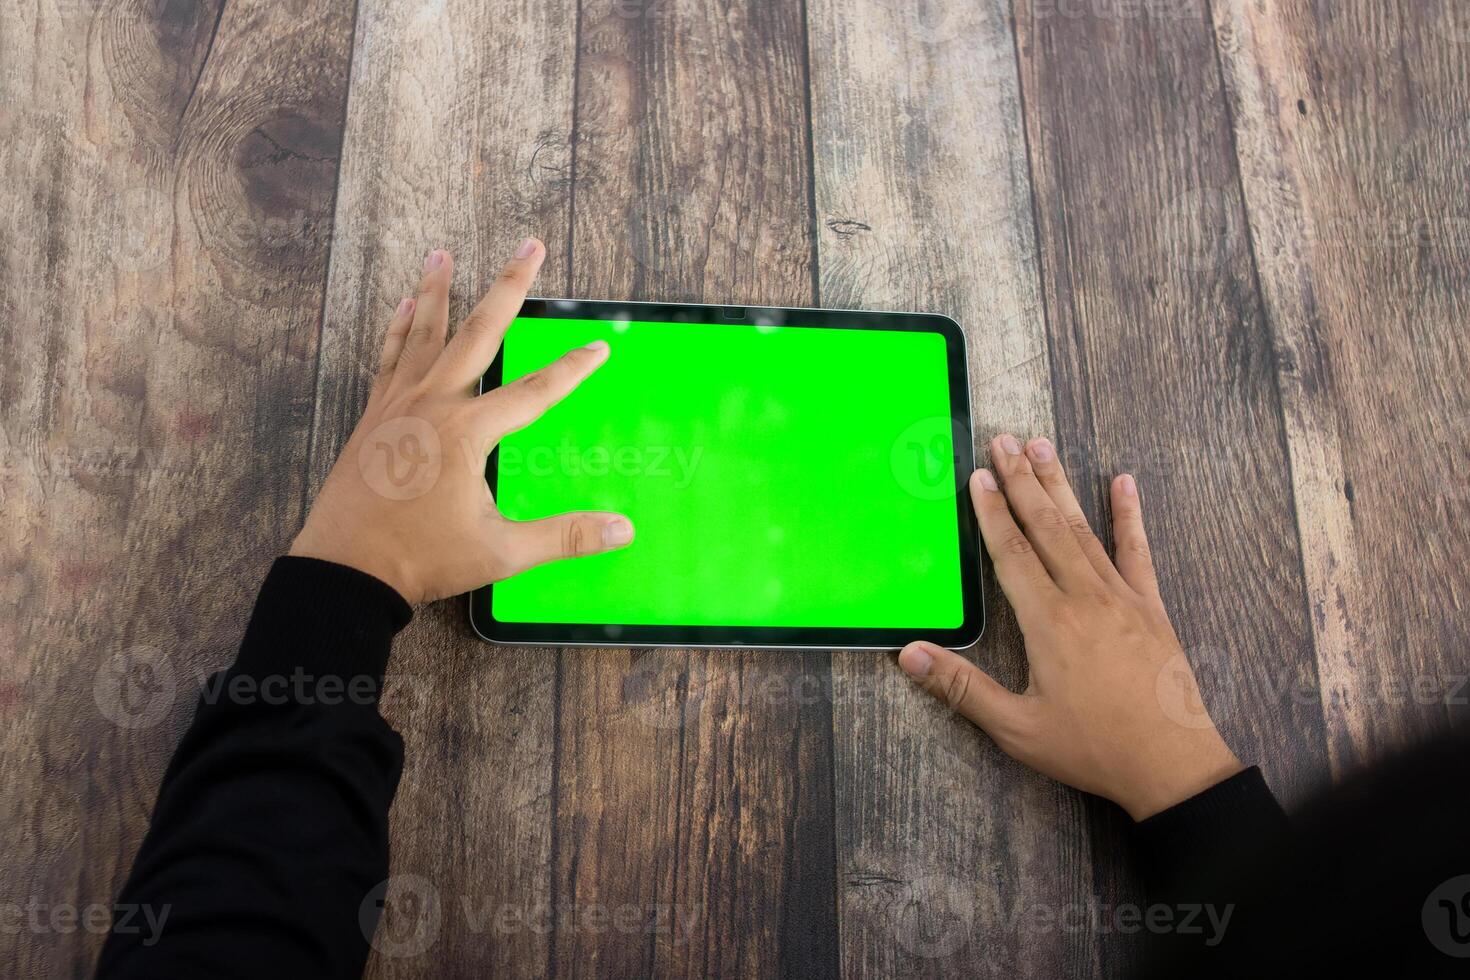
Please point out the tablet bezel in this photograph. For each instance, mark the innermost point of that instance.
(966, 634)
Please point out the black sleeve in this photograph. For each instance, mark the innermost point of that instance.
(271, 827)
(1192, 859)
(1193, 844)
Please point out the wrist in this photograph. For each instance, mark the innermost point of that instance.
(1169, 783)
(381, 567)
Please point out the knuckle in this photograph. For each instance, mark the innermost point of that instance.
(956, 688)
(514, 275)
(574, 539)
(1051, 519)
(412, 341)
(476, 322)
(1015, 544)
(1079, 525)
(1072, 616)
(535, 383)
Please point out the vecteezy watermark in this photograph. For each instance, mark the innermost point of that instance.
(677, 463)
(403, 915)
(135, 688)
(666, 693)
(1446, 917)
(1178, 692)
(937, 21)
(401, 458)
(922, 457)
(63, 918)
(642, 9)
(1205, 920)
(1227, 683)
(417, 915)
(1110, 9)
(934, 916)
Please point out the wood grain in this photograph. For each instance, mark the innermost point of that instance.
(168, 173)
(694, 785)
(1221, 244)
(1163, 365)
(457, 137)
(1355, 185)
(923, 202)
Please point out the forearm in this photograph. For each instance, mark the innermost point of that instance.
(271, 822)
(1196, 860)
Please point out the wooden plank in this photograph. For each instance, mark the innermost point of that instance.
(1353, 140)
(1158, 329)
(1164, 366)
(168, 177)
(457, 137)
(945, 846)
(694, 787)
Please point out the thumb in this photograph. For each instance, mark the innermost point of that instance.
(572, 535)
(961, 685)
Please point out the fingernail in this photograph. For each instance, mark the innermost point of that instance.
(405, 306)
(433, 260)
(915, 660)
(526, 249)
(1041, 451)
(617, 533)
(987, 480)
(1010, 445)
(598, 345)
(1130, 489)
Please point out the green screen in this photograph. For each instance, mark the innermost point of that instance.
(775, 476)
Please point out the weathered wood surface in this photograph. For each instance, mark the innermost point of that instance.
(168, 172)
(1163, 365)
(1355, 180)
(457, 137)
(694, 785)
(1221, 244)
(923, 202)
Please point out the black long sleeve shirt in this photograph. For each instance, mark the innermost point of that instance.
(270, 835)
(271, 826)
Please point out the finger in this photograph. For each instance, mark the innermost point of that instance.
(530, 543)
(1043, 523)
(393, 343)
(1135, 561)
(479, 336)
(963, 687)
(1053, 480)
(1023, 578)
(526, 399)
(425, 341)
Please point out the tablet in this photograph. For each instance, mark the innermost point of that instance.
(795, 478)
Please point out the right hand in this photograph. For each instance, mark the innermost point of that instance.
(407, 500)
(1098, 642)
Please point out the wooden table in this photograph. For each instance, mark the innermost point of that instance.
(1221, 244)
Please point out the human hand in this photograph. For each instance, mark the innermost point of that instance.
(407, 500)
(1097, 640)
